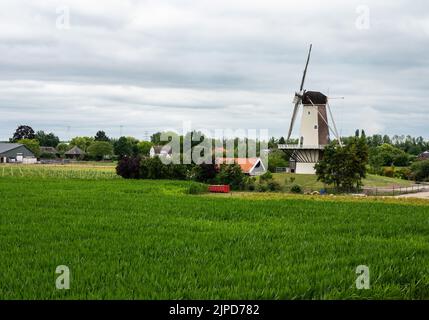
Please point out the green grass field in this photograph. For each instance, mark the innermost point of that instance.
(150, 240)
(309, 182)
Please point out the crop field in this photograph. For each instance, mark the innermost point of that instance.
(150, 240)
(74, 171)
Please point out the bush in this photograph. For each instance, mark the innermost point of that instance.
(389, 172)
(197, 188)
(204, 173)
(250, 183)
(266, 176)
(404, 173)
(261, 187)
(420, 170)
(233, 175)
(273, 186)
(296, 189)
(129, 168)
(48, 155)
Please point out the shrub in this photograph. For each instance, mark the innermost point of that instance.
(250, 183)
(129, 168)
(204, 173)
(233, 175)
(261, 187)
(420, 170)
(273, 186)
(404, 173)
(266, 176)
(48, 155)
(389, 172)
(296, 189)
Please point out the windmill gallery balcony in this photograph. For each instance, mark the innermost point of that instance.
(300, 147)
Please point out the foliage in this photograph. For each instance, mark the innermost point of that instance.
(266, 176)
(233, 175)
(153, 168)
(296, 189)
(125, 147)
(204, 173)
(82, 143)
(344, 167)
(277, 159)
(23, 132)
(387, 155)
(129, 168)
(144, 148)
(47, 155)
(101, 136)
(420, 170)
(404, 173)
(63, 148)
(32, 144)
(47, 139)
(99, 150)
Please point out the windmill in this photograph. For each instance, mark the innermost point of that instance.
(315, 129)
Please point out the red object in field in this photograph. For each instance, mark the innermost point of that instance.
(220, 189)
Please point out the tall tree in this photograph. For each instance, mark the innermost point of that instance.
(47, 140)
(81, 142)
(23, 132)
(100, 150)
(101, 136)
(344, 167)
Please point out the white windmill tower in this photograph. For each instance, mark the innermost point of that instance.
(314, 131)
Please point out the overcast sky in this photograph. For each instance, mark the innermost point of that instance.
(149, 65)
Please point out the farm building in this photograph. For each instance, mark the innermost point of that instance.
(16, 152)
(157, 151)
(250, 166)
(75, 153)
(423, 156)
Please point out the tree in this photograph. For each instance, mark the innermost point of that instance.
(63, 148)
(144, 147)
(32, 144)
(388, 155)
(82, 142)
(420, 170)
(23, 132)
(47, 140)
(100, 149)
(233, 175)
(344, 167)
(125, 147)
(101, 136)
(276, 159)
(129, 168)
(204, 172)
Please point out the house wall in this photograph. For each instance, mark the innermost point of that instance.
(26, 153)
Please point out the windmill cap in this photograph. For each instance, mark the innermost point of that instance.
(314, 97)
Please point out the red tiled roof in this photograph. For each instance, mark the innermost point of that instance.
(246, 164)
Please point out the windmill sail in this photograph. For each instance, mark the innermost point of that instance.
(298, 96)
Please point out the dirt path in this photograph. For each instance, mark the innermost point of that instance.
(420, 195)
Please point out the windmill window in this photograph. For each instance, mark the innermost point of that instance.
(309, 112)
(315, 127)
